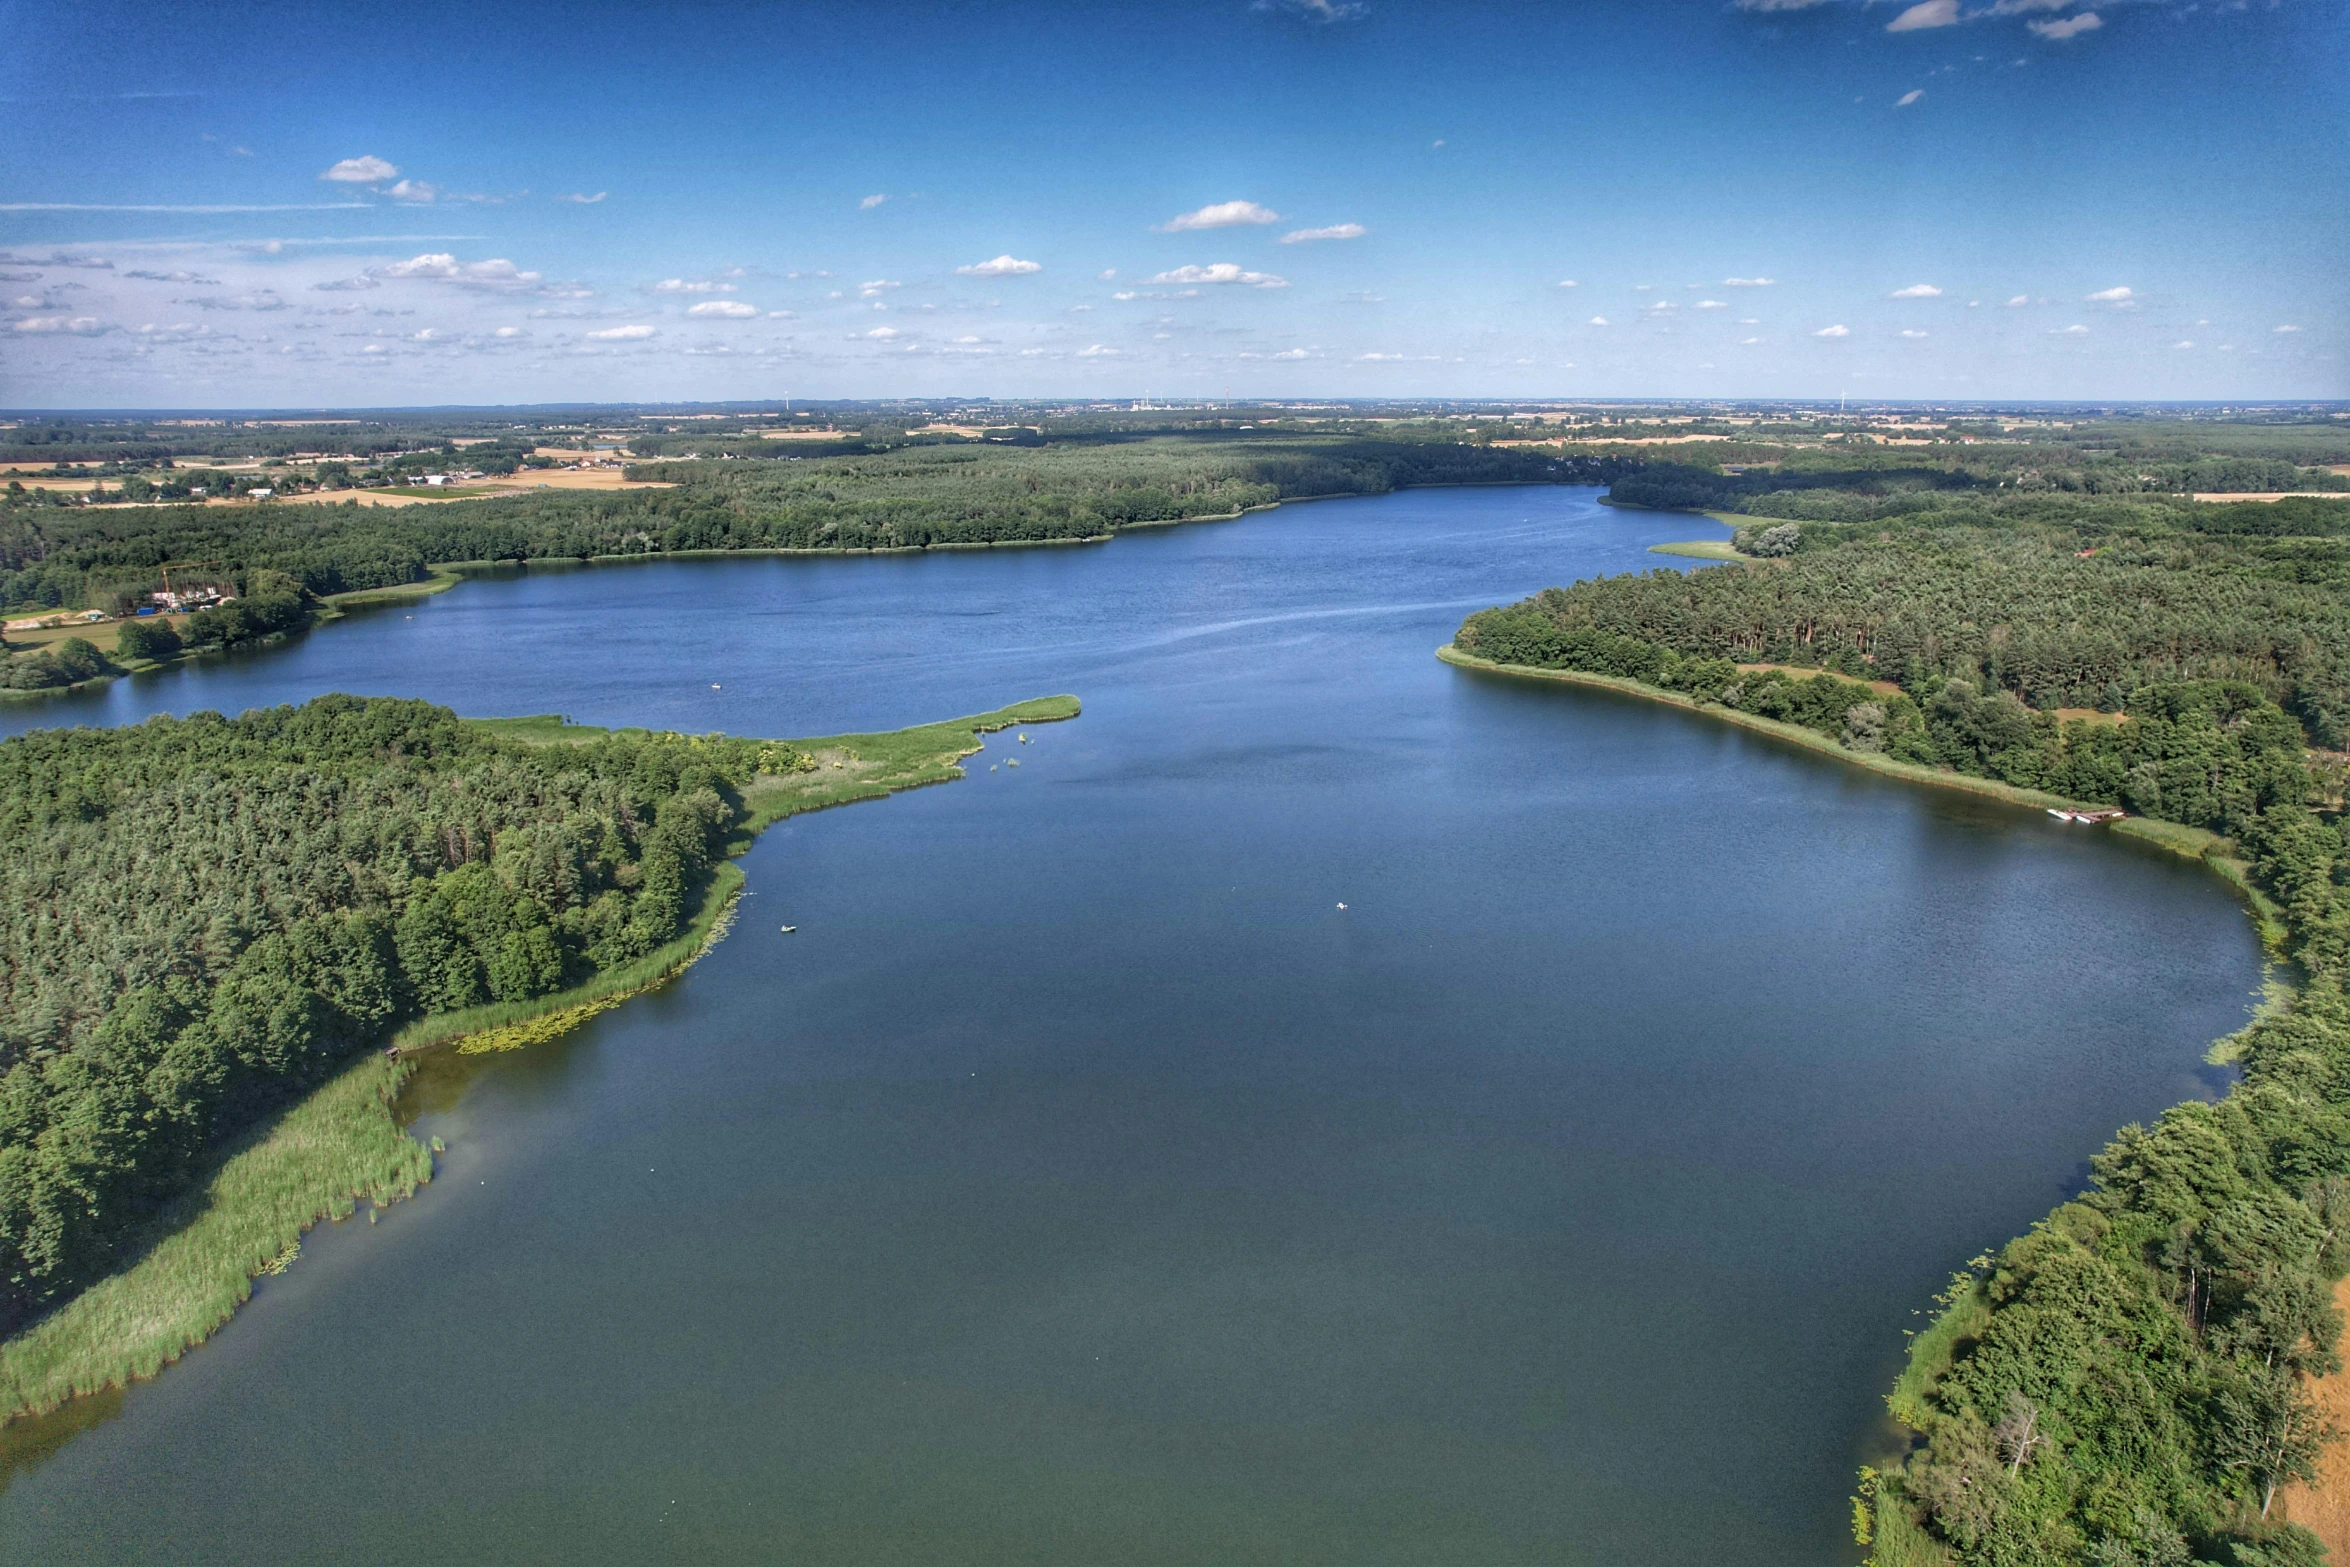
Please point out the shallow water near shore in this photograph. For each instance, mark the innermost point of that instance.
(1082, 1183)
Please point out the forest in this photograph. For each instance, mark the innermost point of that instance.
(2127, 1383)
(905, 497)
(213, 913)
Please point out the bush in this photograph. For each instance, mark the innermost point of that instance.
(146, 640)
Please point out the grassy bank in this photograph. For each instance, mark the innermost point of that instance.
(1698, 549)
(2194, 843)
(341, 1144)
(316, 1162)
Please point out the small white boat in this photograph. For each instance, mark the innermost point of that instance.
(788, 929)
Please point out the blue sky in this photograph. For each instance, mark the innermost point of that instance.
(274, 204)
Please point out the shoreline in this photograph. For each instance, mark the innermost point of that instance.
(341, 1143)
(444, 575)
(2190, 843)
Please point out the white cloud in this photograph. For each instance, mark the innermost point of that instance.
(1599, 321)
(679, 285)
(171, 277)
(782, 315)
(1334, 231)
(440, 265)
(1909, 97)
(1568, 282)
(1926, 13)
(2075, 330)
(578, 199)
(2068, 27)
(1295, 353)
(2110, 296)
(1220, 272)
(1220, 215)
(509, 331)
(870, 202)
(878, 287)
(1750, 282)
(1105, 275)
(2183, 345)
(366, 170)
(1748, 342)
(74, 326)
(1916, 291)
(1006, 265)
(1097, 351)
(2285, 329)
(1778, 5)
(1911, 332)
(621, 334)
(730, 309)
(413, 191)
(1834, 331)
(1709, 304)
(883, 334)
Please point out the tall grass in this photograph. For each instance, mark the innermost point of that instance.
(321, 1157)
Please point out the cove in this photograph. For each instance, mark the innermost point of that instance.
(1080, 1183)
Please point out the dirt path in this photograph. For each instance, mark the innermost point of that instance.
(2325, 1507)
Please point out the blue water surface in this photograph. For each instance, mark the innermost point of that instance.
(1083, 1183)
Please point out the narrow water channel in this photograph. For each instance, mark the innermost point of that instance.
(1083, 1183)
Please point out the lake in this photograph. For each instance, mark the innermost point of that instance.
(1323, 1106)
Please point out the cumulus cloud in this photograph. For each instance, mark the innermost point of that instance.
(1909, 97)
(1911, 332)
(348, 285)
(679, 285)
(2188, 344)
(413, 191)
(1221, 272)
(1295, 353)
(1567, 282)
(440, 266)
(882, 334)
(621, 334)
(2019, 300)
(1710, 304)
(1833, 331)
(1778, 5)
(1006, 265)
(1750, 282)
(2068, 27)
(2075, 330)
(2110, 296)
(872, 201)
(1599, 321)
(1916, 291)
(579, 199)
(368, 170)
(1334, 231)
(877, 287)
(730, 309)
(509, 332)
(1220, 215)
(172, 277)
(72, 326)
(2285, 329)
(1097, 351)
(1926, 13)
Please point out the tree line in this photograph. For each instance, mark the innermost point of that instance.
(2128, 1383)
(910, 498)
(209, 914)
